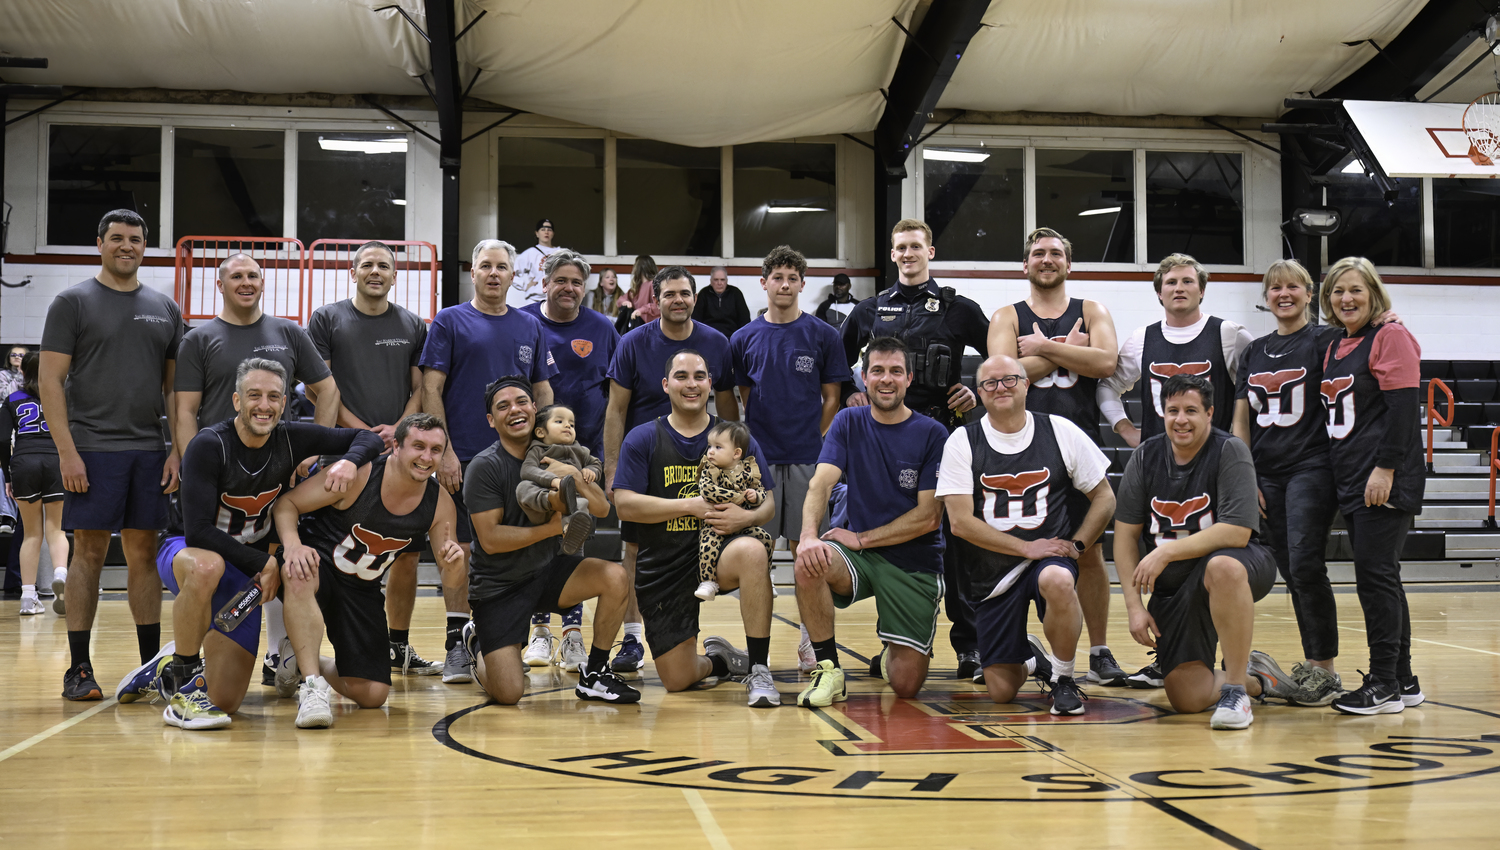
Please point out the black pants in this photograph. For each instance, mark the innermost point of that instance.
(1377, 535)
(962, 635)
(1299, 510)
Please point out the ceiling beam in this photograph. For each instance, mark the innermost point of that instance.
(1420, 52)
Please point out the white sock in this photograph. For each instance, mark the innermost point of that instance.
(635, 629)
(28, 591)
(1031, 665)
(1061, 668)
(1095, 650)
(540, 631)
(275, 625)
(805, 637)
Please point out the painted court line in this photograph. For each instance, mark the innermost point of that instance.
(1415, 639)
(66, 724)
(706, 820)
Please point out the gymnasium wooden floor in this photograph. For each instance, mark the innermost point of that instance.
(437, 768)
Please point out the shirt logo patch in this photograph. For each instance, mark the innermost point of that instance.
(146, 318)
(805, 364)
(1177, 520)
(583, 347)
(932, 305)
(1010, 492)
(246, 518)
(908, 479)
(1160, 372)
(272, 347)
(366, 554)
(523, 354)
(393, 342)
(1279, 398)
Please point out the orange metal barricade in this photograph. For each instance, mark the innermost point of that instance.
(197, 273)
(326, 277)
(1432, 417)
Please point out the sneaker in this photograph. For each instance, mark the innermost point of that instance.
(1067, 697)
(173, 677)
(1411, 693)
(190, 708)
(567, 490)
(707, 591)
(576, 530)
(539, 651)
(1043, 671)
(313, 711)
(968, 662)
(79, 684)
(406, 659)
(456, 667)
(1275, 683)
(827, 687)
(32, 605)
(469, 640)
(1319, 687)
(1233, 710)
(141, 683)
(268, 669)
(1373, 697)
(807, 660)
(879, 665)
(571, 653)
(59, 584)
(1147, 677)
(737, 660)
(631, 657)
(287, 671)
(761, 688)
(1104, 671)
(603, 685)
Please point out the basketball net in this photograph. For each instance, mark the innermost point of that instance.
(1482, 126)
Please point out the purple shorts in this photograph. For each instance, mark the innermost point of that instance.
(247, 633)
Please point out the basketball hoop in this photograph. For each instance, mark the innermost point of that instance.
(1482, 126)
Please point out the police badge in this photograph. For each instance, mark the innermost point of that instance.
(932, 305)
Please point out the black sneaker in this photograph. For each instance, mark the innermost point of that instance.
(1373, 697)
(405, 659)
(878, 662)
(1067, 697)
(1103, 670)
(79, 684)
(1043, 672)
(1147, 677)
(968, 663)
(268, 669)
(604, 685)
(1411, 692)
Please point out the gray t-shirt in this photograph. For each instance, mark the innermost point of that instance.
(489, 483)
(119, 342)
(212, 353)
(372, 357)
(1236, 503)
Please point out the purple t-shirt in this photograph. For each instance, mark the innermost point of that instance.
(633, 472)
(582, 350)
(886, 466)
(474, 348)
(641, 362)
(785, 366)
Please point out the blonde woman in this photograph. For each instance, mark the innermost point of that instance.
(606, 297)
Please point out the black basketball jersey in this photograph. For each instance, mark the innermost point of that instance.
(1183, 499)
(1024, 495)
(1281, 376)
(1203, 355)
(1062, 393)
(667, 548)
(247, 484)
(362, 541)
(1357, 421)
(32, 436)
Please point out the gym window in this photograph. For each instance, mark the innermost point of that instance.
(557, 179)
(229, 182)
(975, 201)
(93, 168)
(351, 184)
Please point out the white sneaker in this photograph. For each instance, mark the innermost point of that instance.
(539, 652)
(807, 660)
(1233, 710)
(287, 671)
(571, 653)
(761, 688)
(32, 605)
(707, 591)
(313, 711)
(59, 584)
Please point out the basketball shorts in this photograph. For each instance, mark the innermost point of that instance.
(36, 476)
(354, 619)
(247, 633)
(124, 492)
(1001, 621)
(505, 619)
(1186, 624)
(906, 603)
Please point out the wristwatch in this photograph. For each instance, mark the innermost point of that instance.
(1078, 544)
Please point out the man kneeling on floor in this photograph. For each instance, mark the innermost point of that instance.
(1203, 565)
(1005, 482)
(332, 580)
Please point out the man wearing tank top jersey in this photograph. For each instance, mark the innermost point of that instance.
(1186, 341)
(332, 577)
(1065, 345)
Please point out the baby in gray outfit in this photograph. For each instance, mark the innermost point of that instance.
(542, 493)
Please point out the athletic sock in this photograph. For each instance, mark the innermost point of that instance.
(541, 618)
(455, 629)
(573, 617)
(635, 630)
(28, 591)
(826, 650)
(148, 640)
(1031, 665)
(275, 624)
(400, 635)
(1095, 650)
(78, 646)
(759, 649)
(721, 667)
(1061, 669)
(598, 658)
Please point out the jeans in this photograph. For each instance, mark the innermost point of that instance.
(1299, 510)
(1376, 535)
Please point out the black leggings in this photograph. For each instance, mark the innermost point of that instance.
(1377, 535)
(1299, 510)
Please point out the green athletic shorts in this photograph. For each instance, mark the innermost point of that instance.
(906, 604)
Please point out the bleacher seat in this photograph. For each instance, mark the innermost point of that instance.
(1472, 370)
(1475, 391)
(1437, 369)
(1491, 413)
(1466, 414)
(1133, 410)
(1478, 436)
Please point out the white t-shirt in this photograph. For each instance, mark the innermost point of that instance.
(1086, 465)
(526, 286)
(1233, 338)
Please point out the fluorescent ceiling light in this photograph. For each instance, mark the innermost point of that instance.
(1101, 211)
(400, 202)
(780, 209)
(369, 146)
(954, 156)
(1354, 167)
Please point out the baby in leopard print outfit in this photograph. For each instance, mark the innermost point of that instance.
(726, 474)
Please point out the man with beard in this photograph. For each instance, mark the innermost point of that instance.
(1065, 345)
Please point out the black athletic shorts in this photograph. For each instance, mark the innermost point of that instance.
(1078, 508)
(505, 619)
(354, 617)
(36, 476)
(627, 532)
(1187, 625)
(1001, 622)
(669, 608)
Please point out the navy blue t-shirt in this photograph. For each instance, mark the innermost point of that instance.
(886, 466)
(582, 350)
(641, 362)
(474, 348)
(785, 366)
(636, 449)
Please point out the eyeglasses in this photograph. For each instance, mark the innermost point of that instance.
(1009, 381)
(16, 354)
